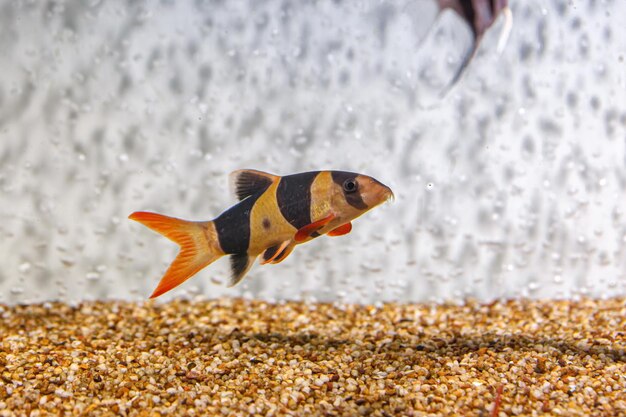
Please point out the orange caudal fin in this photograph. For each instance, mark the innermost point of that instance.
(197, 247)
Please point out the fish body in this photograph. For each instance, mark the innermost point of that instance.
(274, 214)
(480, 15)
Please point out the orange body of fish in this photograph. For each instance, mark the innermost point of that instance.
(274, 215)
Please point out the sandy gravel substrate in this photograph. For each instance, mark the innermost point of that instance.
(236, 357)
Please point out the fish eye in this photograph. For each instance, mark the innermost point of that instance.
(350, 185)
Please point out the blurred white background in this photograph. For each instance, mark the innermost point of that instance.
(512, 185)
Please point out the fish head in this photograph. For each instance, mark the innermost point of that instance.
(353, 194)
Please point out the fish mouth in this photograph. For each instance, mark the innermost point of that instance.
(390, 196)
(375, 192)
(385, 194)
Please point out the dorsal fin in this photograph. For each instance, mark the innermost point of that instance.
(247, 182)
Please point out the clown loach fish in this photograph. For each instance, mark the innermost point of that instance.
(274, 214)
(480, 15)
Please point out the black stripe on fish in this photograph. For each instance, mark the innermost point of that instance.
(233, 226)
(354, 199)
(293, 196)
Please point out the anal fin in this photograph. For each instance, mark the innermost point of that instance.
(240, 264)
(311, 229)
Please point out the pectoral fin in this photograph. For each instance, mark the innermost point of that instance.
(312, 228)
(344, 229)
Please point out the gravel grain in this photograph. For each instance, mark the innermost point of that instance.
(235, 357)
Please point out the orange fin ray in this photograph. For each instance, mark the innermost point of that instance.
(344, 229)
(272, 253)
(309, 229)
(281, 256)
(196, 251)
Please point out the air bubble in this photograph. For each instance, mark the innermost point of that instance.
(17, 290)
(67, 262)
(24, 267)
(92, 276)
(301, 140)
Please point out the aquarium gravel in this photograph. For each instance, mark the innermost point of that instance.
(239, 357)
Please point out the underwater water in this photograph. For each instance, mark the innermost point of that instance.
(494, 284)
(512, 184)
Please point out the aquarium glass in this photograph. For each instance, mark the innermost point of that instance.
(509, 184)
